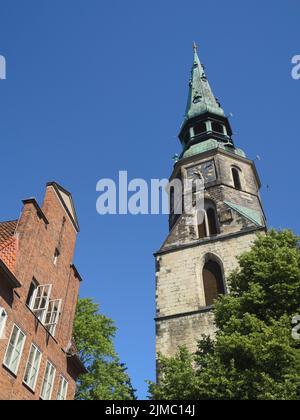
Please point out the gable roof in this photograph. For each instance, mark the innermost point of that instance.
(67, 202)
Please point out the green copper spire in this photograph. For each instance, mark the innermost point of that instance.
(205, 126)
(201, 98)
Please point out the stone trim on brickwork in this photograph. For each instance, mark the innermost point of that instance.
(39, 211)
(217, 238)
(58, 189)
(184, 314)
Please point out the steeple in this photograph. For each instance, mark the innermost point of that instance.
(205, 124)
(201, 98)
(203, 245)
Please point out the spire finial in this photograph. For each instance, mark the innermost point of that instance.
(195, 47)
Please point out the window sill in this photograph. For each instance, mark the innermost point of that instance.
(15, 375)
(29, 388)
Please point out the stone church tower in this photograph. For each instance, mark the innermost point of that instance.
(193, 264)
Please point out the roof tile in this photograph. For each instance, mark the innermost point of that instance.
(8, 244)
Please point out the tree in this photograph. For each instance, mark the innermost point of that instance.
(253, 356)
(107, 378)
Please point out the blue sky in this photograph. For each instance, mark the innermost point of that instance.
(94, 87)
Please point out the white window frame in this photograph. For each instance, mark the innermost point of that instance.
(46, 381)
(62, 389)
(35, 285)
(7, 364)
(30, 366)
(3, 320)
(40, 301)
(54, 314)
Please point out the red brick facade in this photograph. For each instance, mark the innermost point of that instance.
(40, 246)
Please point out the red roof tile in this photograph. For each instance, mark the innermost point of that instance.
(8, 244)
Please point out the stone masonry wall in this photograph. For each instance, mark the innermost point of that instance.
(179, 290)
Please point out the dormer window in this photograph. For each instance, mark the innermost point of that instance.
(217, 127)
(200, 128)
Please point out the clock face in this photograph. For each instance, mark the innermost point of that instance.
(206, 171)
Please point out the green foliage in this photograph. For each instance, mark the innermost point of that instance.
(253, 356)
(106, 378)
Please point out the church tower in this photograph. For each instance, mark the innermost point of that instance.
(193, 264)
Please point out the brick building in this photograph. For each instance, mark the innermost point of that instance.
(38, 294)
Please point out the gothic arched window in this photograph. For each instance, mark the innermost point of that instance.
(236, 178)
(207, 221)
(202, 228)
(212, 282)
(212, 222)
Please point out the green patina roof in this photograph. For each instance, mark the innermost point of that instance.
(210, 145)
(250, 214)
(201, 98)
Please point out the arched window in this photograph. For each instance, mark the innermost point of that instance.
(236, 178)
(212, 282)
(3, 318)
(202, 229)
(207, 221)
(217, 127)
(211, 220)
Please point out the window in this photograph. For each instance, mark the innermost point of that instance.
(236, 178)
(207, 221)
(45, 309)
(14, 350)
(40, 301)
(217, 127)
(186, 138)
(34, 285)
(3, 319)
(63, 389)
(32, 367)
(48, 382)
(56, 256)
(211, 220)
(212, 282)
(52, 315)
(202, 230)
(200, 129)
